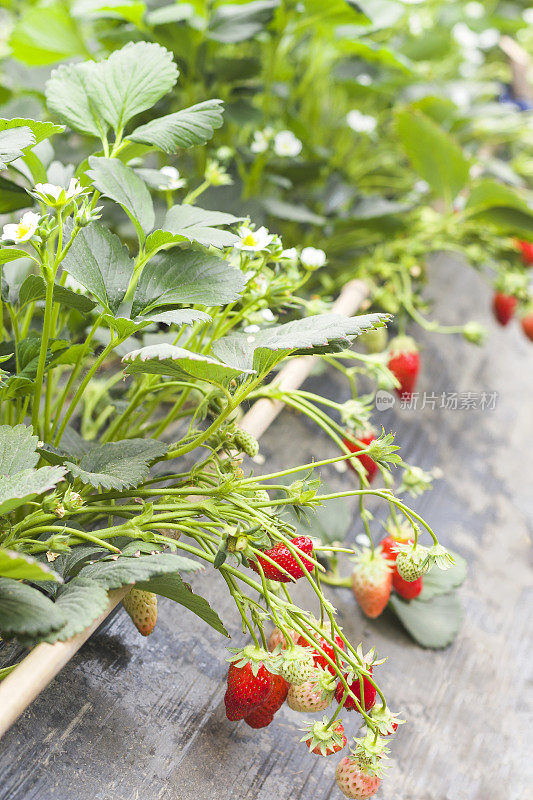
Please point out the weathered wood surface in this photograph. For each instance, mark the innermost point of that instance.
(136, 719)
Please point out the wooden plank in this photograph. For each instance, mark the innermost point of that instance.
(136, 719)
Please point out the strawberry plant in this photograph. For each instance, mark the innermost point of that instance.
(388, 146)
(126, 359)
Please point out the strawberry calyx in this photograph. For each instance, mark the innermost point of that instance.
(371, 565)
(324, 737)
(256, 657)
(323, 681)
(402, 344)
(385, 721)
(368, 754)
(295, 664)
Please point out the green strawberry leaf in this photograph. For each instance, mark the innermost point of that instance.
(436, 157)
(12, 197)
(11, 254)
(319, 334)
(438, 581)
(45, 34)
(115, 180)
(194, 224)
(131, 80)
(117, 465)
(171, 585)
(81, 601)
(23, 567)
(19, 481)
(34, 288)
(15, 490)
(167, 359)
(130, 10)
(132, 569)
(17, 449)
(433, 623)
(187, 276)
(101, 263)
(13, 141)
(186, 128)
(26, 611)
(67, 96)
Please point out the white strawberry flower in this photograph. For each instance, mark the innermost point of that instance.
(57, 196)
(173, 180)
(291, 254)
(313, 257)
(287, 145)
(253, 241)
(261, 140)
(23, 230)
(361, 123)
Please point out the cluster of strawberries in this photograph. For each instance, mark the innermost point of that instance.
(388, 567)
(304, 671)
(504, 305)
(307, 670)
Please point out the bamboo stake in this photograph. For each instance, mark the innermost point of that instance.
(45, 661)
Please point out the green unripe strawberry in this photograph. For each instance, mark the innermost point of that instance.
(297, 665)
(245, 442)
(142, 608)
(374, 341)
(412, 563)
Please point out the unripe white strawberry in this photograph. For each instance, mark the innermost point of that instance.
(354, 781)
(315, 694)
(297, 665)
(142, 608)
(359, 774)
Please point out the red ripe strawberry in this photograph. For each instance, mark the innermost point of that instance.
(318, 658)
(246, 691)
(278, 694)
(389, 548)
(324, 739)
(527, 325)
(372, 581)
(368, 463)
(526, 249)
(259, 718)
(404, 363)
(264, 714)
(407, 590)
(281, 554)
(369, 693)
(387, 722)
(503, 306)
(334, 747)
